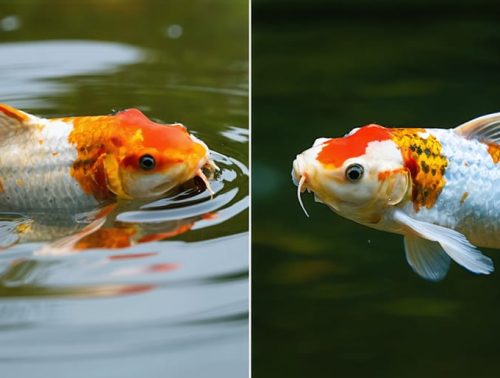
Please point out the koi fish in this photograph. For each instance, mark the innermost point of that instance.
(439, 188)
(80, 162)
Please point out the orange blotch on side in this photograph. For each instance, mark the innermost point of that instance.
(1, 186)
(494, 151)
(336, 151)
(424, 160)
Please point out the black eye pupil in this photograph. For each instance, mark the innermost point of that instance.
(354, 172)
(147, 162)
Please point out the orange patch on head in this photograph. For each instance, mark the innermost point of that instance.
(125, 137)
(336, 151)
(154, 134)
(494, 151)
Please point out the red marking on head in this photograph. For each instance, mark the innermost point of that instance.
(336, 151)
(156, 135)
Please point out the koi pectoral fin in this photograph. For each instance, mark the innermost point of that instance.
(452, 242)
(427, 258)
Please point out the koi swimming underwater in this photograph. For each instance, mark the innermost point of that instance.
(439, 188)
(76, 163)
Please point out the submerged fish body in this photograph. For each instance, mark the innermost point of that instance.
(439, 188)
(75, 163)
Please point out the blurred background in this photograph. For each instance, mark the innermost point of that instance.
(177, 307)
(332, 298)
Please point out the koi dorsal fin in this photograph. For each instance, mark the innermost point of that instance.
(485, 129)
(13, 121)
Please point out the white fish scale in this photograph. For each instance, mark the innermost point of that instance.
(470, 170)
(35, 169)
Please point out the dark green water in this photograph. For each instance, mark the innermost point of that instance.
(330, 297)
(176, 307)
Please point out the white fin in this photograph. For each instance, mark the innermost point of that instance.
(453, 243)
(427, 258)
(485, 129)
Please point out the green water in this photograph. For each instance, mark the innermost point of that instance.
(330, 297)
(176, 307)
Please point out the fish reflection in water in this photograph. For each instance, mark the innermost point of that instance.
(48, 238)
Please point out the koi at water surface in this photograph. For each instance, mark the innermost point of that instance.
(76, 163)
(438, 188)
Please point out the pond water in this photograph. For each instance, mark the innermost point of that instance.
(161, 289)
(332, 298)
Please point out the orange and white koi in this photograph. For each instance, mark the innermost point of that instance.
(439, 188)
(79, 162)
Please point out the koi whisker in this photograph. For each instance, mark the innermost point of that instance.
(201, 175)
(299, 192)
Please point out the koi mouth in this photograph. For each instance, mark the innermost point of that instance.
(211, 167)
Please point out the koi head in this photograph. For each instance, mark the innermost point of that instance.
(358, 176)
(159, 157)
(137, 157)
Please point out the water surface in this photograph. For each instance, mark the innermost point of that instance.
(161, 288)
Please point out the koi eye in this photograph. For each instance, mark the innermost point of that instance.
(147, 162)
(354, 172)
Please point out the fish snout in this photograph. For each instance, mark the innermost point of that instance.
(305, 166)
(297, 169)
